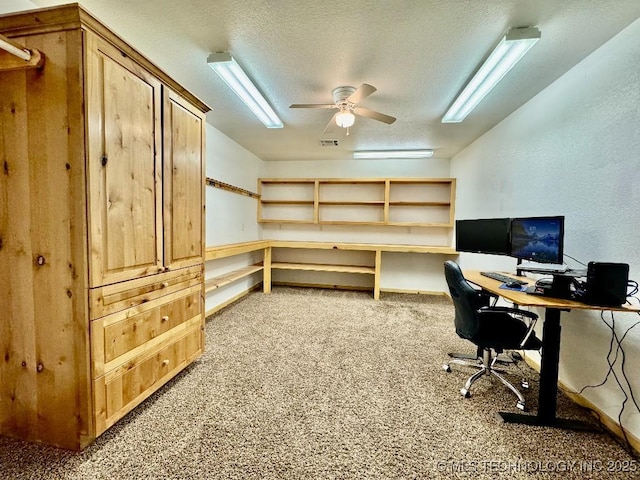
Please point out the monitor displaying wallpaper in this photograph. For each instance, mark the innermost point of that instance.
(539, 239)
(486, 235)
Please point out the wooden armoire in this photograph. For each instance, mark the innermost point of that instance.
(101, 228)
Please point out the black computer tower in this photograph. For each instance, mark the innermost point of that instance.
(606, 284)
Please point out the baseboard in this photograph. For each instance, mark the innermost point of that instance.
(323, 285)
(415, 292)
(233, 299)
(605, 420)
(358, 288)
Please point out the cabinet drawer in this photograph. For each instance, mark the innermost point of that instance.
(117, 338)
(121, 296)
(122, 389)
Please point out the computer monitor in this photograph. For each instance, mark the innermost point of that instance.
(486, 235)
(538, 239)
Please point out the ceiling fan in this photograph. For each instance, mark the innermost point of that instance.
(346, 100)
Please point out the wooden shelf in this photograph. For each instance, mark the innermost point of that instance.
(227, 278)
(420, 204)
(367, 247)
(406, 202)
(229, 250)
(288, 202)
(442, 181)
(418, 224)
(374, 203)
(323, 267)
(352, 181)
(349, 222)
(288, 180)
(287, 221)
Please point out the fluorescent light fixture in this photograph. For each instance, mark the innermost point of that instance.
(230, 72)
(427, 153)
(509, 51)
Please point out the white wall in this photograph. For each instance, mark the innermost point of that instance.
(230, 217)
(573, 150)
(8, 6)
(421, 272)
(429, 167)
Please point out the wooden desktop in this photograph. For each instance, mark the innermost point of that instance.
(547, 396)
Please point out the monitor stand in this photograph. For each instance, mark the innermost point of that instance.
(561, 286)
(542, 268)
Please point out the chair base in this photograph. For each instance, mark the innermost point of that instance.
(501, 357)
(486, 367)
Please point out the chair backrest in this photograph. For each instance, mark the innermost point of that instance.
(466, 300)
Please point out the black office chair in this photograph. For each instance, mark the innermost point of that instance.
(490, 328)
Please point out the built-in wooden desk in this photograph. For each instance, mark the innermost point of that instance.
(267, 265)
(547, 396)
(374, 269)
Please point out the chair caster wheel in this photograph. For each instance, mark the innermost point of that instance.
(521, 406)
(524, 384)
(465, 393)
(446, 368)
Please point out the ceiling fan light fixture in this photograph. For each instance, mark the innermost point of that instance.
(404, 154)
(237, 80)
(513, 46)
(345, 119)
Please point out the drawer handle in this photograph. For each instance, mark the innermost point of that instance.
(164, 284)
(165, 363)
(165, 318)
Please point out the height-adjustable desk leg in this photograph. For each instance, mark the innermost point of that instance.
(549, 363)
(548, 394)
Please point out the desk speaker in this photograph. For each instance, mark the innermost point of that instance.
(606, 284)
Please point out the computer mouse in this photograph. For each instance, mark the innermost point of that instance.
(513, 285)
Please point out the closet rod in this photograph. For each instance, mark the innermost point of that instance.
(14, 48)
(230, 188)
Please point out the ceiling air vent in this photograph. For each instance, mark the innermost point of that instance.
(329, 143)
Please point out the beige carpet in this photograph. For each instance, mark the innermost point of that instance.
(321, 384)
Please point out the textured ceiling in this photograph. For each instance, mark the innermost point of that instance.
(417, 53)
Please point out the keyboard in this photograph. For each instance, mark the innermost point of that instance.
(502, 278)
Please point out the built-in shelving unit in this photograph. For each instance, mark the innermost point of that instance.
(294, 200)
(340, 264)
(218, 281)
(227, 278)
(423, 202)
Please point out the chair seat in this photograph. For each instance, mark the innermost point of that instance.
(501, 331)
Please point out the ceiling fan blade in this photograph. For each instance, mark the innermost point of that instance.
(331, 125)
(381, 117)
(313, 105)
(361, 93)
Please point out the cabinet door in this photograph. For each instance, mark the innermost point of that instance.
(125, 191)
(183, 182)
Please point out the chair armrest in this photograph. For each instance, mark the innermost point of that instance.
(488, 298)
